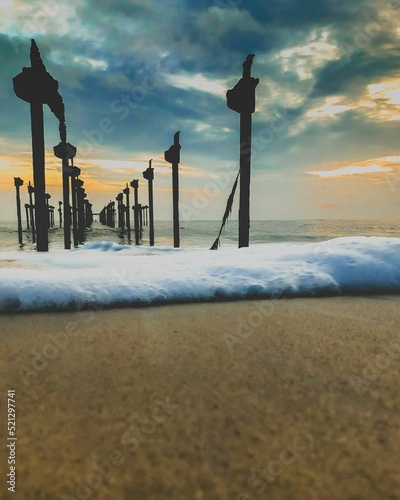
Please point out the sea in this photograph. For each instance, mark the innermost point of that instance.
(285, 259)
(202, 234)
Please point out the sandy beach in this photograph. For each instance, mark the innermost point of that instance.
(286, 399)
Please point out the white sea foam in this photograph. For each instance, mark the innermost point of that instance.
(107, 274)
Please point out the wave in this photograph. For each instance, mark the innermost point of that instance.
(105, 274)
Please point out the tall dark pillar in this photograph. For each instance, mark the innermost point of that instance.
(149, 176)
(39, 181)
(242, 99)
(37, 87)
(173, 156)
(18, 182)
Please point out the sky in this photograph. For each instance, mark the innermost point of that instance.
(327, 123)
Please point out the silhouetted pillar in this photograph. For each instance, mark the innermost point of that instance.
(42, 243)
(102, 216)
(128, 210)
(18, 182)
(149, 176)
(66, 152)
(139, 210)
(75, 172)
(85, 213)
(31, 191)
(80, 196)
(51, 208)
(135, 186)
(119, 210)
(27, 216)
(108, 214)
(112, 213)
(37, 87)
(144, 215)
(47, 197)
(242, 99)
(88, 214)
(60, 214)
(173, 156)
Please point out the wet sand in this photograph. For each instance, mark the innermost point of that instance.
(292, 399)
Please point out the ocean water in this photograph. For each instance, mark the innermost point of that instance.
(202, 234)
(285, 259)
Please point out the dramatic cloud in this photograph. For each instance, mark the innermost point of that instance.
(133, 73)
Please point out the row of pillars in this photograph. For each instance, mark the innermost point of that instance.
(77, 208)
(143, 214)
(107, 215)
(30, 210)
(84, 217)
(37, 87)
(242, 99)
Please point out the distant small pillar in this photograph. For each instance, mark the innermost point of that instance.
(47, 197)
(139, 209)
(60, 214)
(18, 182)
(51, 216)
(27, 216)
(31, 191)
(88, 214)
(110, 214)
(102, 216)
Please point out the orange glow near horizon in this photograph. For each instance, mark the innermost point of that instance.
(102, 177)
(385, 165)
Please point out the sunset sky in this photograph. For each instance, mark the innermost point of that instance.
(326, 130)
